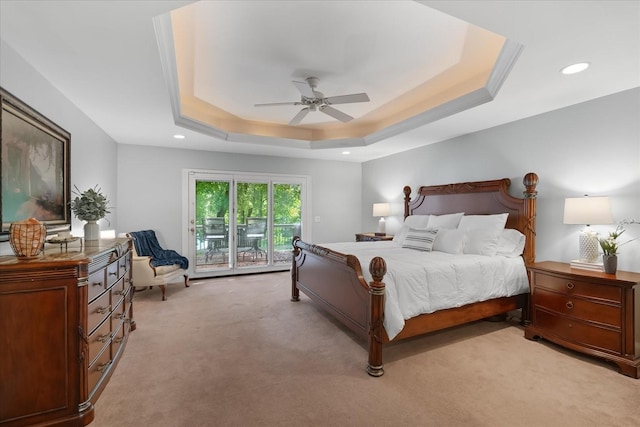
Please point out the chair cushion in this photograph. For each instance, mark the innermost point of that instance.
(161, 270)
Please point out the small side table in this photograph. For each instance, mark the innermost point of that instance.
(591, 312)
(372, 237)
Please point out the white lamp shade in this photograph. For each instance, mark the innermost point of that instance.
(381, 209)
(587, 210)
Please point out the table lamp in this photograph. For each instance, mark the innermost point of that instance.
(587, 211)
(381, 210)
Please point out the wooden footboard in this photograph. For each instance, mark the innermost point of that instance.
(334, 282)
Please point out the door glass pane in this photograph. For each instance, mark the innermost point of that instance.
(287, 213)
(212, 224)
(252, 219)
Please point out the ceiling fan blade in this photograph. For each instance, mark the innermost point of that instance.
(347, 99)
(277, 103)
(304, 89)
(298, 117)
(336, 114)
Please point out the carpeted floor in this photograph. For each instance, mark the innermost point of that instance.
(236, 351)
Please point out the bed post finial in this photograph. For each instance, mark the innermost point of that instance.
(407, 198)
(530, 182)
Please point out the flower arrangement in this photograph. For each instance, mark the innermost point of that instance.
(610, 244)
(90, 205)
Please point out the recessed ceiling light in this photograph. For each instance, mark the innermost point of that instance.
(346, 152)
(575, 68)
(178, 136)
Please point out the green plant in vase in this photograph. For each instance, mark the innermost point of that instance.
(90, 206)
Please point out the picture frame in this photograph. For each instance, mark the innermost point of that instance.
(35, 160)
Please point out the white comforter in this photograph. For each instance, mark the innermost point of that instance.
(424, 282)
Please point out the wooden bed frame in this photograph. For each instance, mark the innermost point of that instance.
(334, 281)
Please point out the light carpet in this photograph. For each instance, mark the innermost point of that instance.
(236, 351)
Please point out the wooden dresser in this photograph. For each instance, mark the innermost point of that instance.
(64, 322)
(591, 312)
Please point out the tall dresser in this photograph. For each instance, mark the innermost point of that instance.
(64, 322)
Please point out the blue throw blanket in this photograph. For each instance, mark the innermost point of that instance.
(147, 244)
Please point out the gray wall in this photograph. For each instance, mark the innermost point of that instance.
(150, 188)
(590, 148)
(93, 152)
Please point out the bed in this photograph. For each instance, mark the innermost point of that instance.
(335, 282)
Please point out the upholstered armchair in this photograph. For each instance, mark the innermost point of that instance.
(154, 266)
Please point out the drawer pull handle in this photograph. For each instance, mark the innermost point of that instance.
(103, 310)
(120, 292)
(118, 340)
(113, 273)
(97, 283)
(570, 285)
(121, 316)
(103, 367)
(104, 338)
(569, 305)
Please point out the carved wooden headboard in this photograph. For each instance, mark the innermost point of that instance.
(478, 198)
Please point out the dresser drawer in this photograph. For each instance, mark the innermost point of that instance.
(577, 287)
(98, 368)
(96, 284)
(98, 311)
(580, 333)
(98, 339)
(123, 264)
(118, 291)
(113, 273)
(577, 307)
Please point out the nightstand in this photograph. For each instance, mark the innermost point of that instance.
(590, 312)
(372, 237)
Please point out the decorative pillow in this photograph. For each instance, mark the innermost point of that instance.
(420, 239)
(449, 241)
(493, 222)
(415, 221)
(445, 221)
(481, 242)
(511, 243)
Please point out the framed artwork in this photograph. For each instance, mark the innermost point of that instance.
(34, 154)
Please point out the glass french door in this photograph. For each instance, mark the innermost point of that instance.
(243, 223)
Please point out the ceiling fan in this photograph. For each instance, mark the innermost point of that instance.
(314, 100)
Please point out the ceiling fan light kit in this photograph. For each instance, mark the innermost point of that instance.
(314, 100)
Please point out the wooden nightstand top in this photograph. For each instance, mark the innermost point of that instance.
(372, 237)
(565, 269)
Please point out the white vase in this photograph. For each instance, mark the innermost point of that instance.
(91, 232)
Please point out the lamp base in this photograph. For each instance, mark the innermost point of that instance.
(381, 228)
(589, 246)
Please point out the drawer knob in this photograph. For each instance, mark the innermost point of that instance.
(103, 367)
(103, 310)
(570, 285)
(569, 305)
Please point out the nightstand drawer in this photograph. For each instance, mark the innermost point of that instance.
(576, 287)
(580, 308)
(581, 333)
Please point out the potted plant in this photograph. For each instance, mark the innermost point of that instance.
(610, 247)
(90, 206)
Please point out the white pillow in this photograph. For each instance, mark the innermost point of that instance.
(415, 221)
(420, 239)
(481, 242)
(449, 241)
(511, 243)
(444, 221)
(494, 222)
